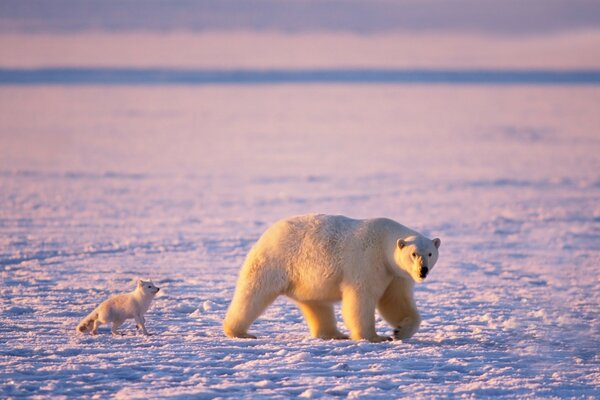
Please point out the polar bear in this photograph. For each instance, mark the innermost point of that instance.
(318, 260)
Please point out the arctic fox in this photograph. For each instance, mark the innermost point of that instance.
(121, 307)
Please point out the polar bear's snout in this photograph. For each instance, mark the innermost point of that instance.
(424, 272)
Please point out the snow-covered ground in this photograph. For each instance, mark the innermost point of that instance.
(100, 185)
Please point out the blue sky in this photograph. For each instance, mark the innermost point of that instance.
(506, 17)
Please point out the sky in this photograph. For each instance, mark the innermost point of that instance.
(259, 34)
(482, 16)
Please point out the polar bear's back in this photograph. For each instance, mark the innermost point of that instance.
(316, 250)
(302, 255)
(322, 238)
(294, 240)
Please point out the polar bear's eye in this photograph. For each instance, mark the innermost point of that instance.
(429, 254)
(414, 254)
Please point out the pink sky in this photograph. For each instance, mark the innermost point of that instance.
(236, 49)
(555, 34)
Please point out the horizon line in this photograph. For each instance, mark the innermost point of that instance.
(275, 76)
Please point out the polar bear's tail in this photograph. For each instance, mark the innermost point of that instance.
(86, 323)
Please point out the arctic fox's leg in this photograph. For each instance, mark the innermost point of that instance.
(321, 320)
(139, 322)
(358, 311)
(398, 308)
(115, 325)
(97, 323)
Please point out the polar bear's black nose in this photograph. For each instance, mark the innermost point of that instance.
(424, 271)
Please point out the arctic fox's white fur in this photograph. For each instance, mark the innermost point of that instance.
(119, 308)
(318, 260)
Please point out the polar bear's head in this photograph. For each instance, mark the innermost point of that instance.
(417, 255)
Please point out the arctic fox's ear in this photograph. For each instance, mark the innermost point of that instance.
(139, 282)
(437, 242)
(401, 243)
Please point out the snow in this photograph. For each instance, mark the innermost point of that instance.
(101, 185)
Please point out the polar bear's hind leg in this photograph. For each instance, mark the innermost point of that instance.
(253, 295)
(358, 311)
(321, 320)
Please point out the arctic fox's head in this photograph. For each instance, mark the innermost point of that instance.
(417, 255)
(147, 287)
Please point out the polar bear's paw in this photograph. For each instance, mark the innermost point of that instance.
(245, 336)
(407, 327)
(334, 336)
(398, 334)
(238, 334)
(379, 339)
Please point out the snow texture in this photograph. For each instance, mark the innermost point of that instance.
(101, 185)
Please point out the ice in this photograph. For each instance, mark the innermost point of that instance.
(102, 185)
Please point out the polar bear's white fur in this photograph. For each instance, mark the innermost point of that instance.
(318, 260)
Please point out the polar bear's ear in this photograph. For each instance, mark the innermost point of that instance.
(401, 243)
(437, 242)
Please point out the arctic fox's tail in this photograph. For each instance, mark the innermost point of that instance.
(87, 322)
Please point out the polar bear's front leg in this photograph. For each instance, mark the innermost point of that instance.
(321, 320)
(358, 310)
(397, 306)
